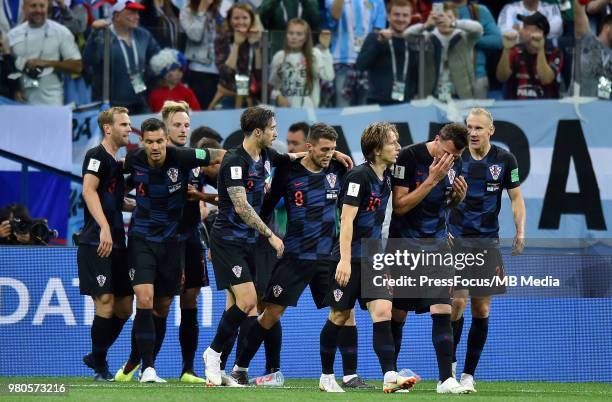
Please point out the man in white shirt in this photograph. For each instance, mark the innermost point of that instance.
(508, 20)
(42, 49)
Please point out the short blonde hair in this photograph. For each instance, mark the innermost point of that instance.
(171, 107)
(108, 116)
(482, 112)
(374, 138)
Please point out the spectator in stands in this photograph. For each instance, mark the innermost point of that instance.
(131, 50)
(11, 15)
(42, 49)
(531, 71)
(508, 17)
(391, 61)
(453, 42)
(296, 136)
(275, 15)
(491, 40)
(168, 66)
(200, 19)
(161, 19)
(238, 57)
(72, 15)
(350, 21)
(227, 4)
(595, 71)
(296, 70)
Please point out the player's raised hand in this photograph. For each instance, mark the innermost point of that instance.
(106, 242)
(277, 244)
(518, 244)
(440, 167)
(343, 273)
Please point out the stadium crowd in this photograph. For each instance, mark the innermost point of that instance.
(319, 53)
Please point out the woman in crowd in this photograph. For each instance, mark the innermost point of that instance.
(238, 57)
(296, 70)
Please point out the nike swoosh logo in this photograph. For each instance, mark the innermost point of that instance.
(298, 184)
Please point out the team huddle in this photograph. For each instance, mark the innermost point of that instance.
(449, 188)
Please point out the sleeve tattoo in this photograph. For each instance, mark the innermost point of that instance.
(246, 212)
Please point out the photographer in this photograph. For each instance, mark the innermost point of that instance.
(18, 228)
(42, 49)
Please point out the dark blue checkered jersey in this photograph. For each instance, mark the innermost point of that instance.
(428, 218)
(363, 189)
(310, 199)
(100, 163)
(477, 215)
(191, 220)
(161, 192)
(238, 169)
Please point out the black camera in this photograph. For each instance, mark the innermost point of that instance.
(33, 72)
(37, 228)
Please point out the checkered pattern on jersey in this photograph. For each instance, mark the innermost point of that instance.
(254, 176)
(310, 199)
(486, 179)
(100, 163)
(428, 218)
(161, 193)
(363, 189)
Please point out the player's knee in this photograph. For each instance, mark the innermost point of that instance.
(480, 308)
(189, 299)
(247, 304)
(161, 306)
(459, 304)
(122, 307)
(144, 299)
(339, 317)
(104, 305)
(351, 320)
(380, 313)
(399, 315)
(440, 309)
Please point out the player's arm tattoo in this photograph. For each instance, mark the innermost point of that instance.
(246, 212)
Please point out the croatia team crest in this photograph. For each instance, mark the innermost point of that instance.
(331, 179)
(173, 174)
(237, 270)
(495, 171)
(101, 280)
(131, 273)
(196, 171)
(451, 176)
(277, 290)
(338, 295)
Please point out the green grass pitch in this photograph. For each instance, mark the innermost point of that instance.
(83, 389)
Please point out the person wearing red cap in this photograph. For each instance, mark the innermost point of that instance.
(529, 70)
(132, 47)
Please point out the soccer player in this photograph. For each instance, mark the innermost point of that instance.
(156, 246)
(488, 169)
(426, 181)
(241, 187)
(310, 188)
(176, 119)
(296, 142)
(101, 255)
(363, 200)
